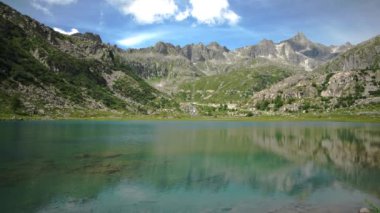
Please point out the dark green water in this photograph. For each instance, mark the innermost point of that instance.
(143, 166)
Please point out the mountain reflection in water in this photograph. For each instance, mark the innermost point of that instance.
(189, 166)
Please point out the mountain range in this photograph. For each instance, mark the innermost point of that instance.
(43, 72)
(169, 63)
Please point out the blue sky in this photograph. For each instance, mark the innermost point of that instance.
(233, 23)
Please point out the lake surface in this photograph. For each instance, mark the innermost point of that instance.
(173, 166)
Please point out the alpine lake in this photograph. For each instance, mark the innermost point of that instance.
(188, 166)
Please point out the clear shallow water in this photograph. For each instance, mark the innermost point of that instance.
(143, 166)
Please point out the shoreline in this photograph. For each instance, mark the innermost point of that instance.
(260, 118)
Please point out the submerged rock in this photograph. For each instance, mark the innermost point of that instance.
(364, 210)
(97, 155)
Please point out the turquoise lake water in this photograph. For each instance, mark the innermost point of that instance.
(189, 166)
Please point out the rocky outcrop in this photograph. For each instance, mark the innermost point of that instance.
(89, 36)
(324, 91)
(352, 79)
(88, 46)
(165, 48)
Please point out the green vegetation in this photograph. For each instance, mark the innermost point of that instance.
(375, 93)
(341, 116)
(129, 87)
(70, 73)
(345, 101)
(306, 106)
(234, 86)
(16, 104)
(278, 102)
(221, 110)
(373, 207)
(325, 83)
(263, 105)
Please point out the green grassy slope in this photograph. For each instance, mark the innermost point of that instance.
(235, 86)
(36, 77)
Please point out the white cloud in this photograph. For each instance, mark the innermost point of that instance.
(210, 12)
(44, 5)
(182, 15)
(138, 39)
(101, 20)
(58, 2)
(73, 31)
(39, 7)
(231, 17)
(147, 11)
(213, 12)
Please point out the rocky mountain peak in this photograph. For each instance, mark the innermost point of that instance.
(217, 47)
(266, 43)
(89, 36)
(300, 37)
(199, 52)
(348, 44)
(342, 48)
(164, 48)
(213, 44)
(299, 42)
(199, 45)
